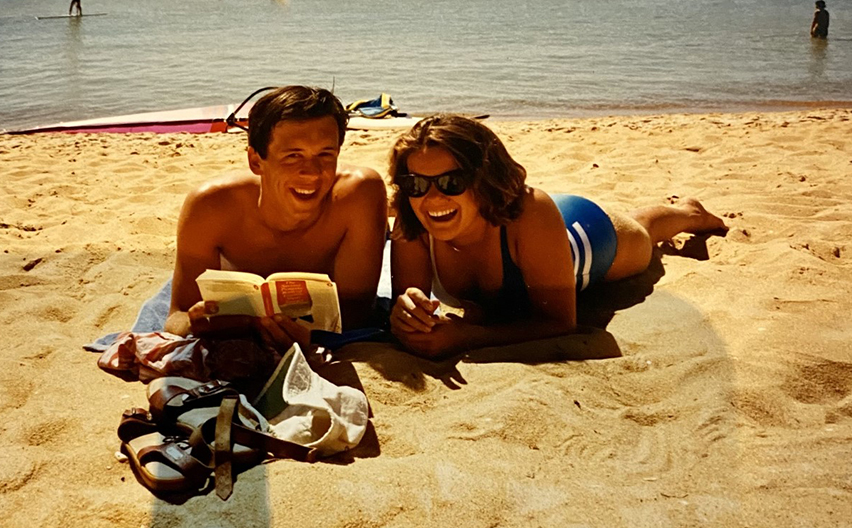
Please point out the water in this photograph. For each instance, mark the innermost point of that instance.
(509, 58)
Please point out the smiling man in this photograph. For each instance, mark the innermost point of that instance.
(298, 211)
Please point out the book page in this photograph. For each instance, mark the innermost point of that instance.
(237, 293)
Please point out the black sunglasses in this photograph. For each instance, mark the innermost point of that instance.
(450, 183)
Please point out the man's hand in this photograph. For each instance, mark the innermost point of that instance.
(414, 312)
(281, 332)
(202, 324)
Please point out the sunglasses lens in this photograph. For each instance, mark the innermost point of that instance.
(452, 184)
(414, 186)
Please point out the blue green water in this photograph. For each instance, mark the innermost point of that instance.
(510, 58)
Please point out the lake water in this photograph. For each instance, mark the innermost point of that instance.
(508, 58)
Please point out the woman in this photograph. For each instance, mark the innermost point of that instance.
(470, 231)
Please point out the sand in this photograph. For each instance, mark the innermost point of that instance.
(730, 405)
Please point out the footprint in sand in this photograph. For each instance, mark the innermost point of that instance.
(760, 407)
(819, 381)
(16, 470)
(46, 432)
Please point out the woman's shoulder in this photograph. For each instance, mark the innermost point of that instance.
(538, 206)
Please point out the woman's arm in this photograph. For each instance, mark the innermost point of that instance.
(411, 282)
(543, 253)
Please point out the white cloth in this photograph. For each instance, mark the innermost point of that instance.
(318, 413)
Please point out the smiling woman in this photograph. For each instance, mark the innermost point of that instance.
(470, 231)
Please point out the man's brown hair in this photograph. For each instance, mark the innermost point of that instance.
(296, 103)
(497, 180)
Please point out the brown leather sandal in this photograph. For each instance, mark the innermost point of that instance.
(167, 463)
(212, 416)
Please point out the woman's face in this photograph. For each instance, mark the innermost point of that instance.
(448, 218)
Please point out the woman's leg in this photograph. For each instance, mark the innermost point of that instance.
(639, 232)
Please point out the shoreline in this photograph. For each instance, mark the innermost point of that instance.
(774, 106)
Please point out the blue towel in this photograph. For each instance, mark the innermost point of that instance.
(151, 318)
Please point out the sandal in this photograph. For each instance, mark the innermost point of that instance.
(134, 423)
(168, 397)
(166, 463)
(212, 416)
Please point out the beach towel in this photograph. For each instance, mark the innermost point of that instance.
(151, 318)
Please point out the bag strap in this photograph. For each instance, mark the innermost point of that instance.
(279, 448)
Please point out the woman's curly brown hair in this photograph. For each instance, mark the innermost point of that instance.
(497, 180)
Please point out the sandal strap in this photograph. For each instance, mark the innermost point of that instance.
(206, 395)
(135, 422)
(222, 446)
(176, 454)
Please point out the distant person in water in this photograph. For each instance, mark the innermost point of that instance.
(819, 27)
(75, 3)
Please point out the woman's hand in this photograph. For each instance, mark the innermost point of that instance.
(452, 335)
(414, 312)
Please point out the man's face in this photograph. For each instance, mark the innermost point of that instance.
(299, 169)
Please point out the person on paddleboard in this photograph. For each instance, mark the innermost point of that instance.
(75, 3)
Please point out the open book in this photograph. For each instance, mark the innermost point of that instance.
(309, 298)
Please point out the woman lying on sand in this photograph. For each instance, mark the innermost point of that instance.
(470, 231)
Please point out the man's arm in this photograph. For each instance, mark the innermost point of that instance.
(358, 263)
(197, 250)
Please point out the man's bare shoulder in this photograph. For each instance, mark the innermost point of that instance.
(226, 188)
(219, 199)
(358, 184)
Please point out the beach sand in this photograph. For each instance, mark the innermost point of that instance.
(730, 406)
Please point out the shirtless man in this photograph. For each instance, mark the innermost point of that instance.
(298, 211)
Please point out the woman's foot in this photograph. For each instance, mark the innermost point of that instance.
(700, 220)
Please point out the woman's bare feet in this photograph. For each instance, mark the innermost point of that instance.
(687, 215)
(701, 221)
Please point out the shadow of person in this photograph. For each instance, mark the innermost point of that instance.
(394, 364)
(597, 305)
(595, 309)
